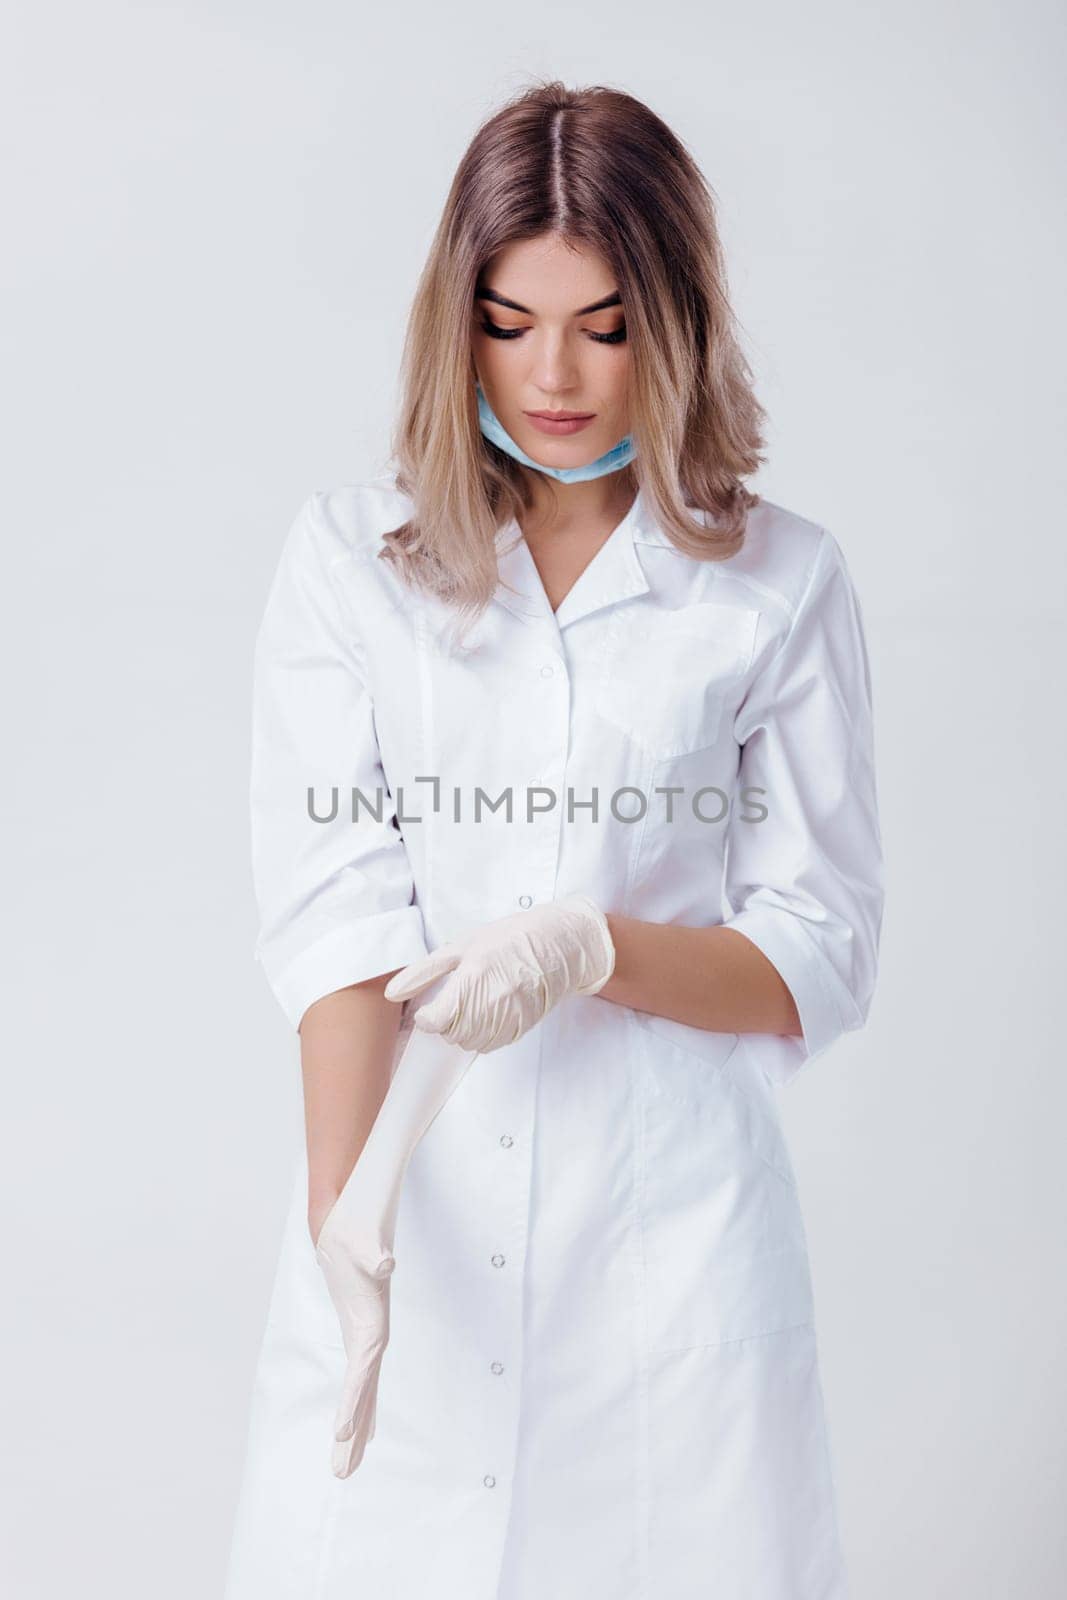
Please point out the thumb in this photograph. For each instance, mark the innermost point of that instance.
(426, 970)
(440, 1012)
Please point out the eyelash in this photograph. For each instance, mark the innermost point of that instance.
(496, 332)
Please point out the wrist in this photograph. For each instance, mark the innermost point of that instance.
(321, 1197)
(601, 950)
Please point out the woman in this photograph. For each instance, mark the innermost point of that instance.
(600, 1375)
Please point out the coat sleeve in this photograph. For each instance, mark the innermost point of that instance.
(336, 898)
(805, 883)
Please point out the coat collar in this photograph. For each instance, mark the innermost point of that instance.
(614, 574)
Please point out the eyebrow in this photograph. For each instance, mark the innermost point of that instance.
(513, 305)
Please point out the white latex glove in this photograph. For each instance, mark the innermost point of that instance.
(354, 1247)
(357, 1276)
(508, 974)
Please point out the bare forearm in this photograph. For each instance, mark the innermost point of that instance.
(347, 1041)
(709, 978)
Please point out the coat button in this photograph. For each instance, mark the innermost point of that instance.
(498, 1261)
(497, 1366)
(489, 1480)
(525, 900)
(546, 672)
(506, 1140)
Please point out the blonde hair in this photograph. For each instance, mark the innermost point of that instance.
(596, 167)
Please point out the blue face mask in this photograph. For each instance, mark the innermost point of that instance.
(618, 456)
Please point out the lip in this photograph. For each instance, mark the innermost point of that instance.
(560, 422)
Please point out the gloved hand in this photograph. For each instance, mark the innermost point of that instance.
(509, 973)
(357, 1276)
(354, 1247)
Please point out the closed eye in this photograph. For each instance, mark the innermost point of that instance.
(616, 336)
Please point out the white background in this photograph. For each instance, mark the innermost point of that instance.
(215, 216)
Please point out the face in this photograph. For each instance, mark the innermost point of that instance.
(543, 340)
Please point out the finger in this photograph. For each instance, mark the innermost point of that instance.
(346, 1457)
(347, 1453)
(491, 1026)
(353, 1393)
(443, 1012)
(419, 973)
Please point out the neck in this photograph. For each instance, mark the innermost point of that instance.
(556, 507)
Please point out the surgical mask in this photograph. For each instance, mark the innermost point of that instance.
(612, 460)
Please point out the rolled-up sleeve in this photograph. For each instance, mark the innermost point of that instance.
(336, 898)
(805, 883)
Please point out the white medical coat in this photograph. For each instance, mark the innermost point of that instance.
(602, 1375)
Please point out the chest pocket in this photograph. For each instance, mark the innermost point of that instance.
(667, 677)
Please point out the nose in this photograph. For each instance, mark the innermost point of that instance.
(555, 366)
